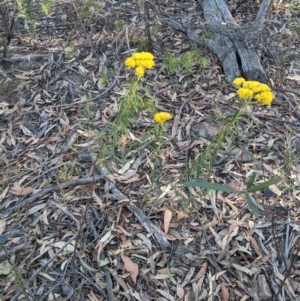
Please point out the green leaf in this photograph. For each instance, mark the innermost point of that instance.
(171, 277)
(252, 206)
(213, 186)
(264, 185)
(242, 269)
(251, 181)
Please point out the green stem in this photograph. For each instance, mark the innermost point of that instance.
(159, 139)
(212, 149)
(128, 99)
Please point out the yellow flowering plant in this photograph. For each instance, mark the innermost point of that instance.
(162, 117)
(140, 61)
(238, 81)
(249, 90)
(245, 93)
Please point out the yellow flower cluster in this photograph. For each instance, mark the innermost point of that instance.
(253, 90)
(162, 117)
(140, 61)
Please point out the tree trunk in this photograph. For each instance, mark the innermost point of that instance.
(233, 46)
(229, 42)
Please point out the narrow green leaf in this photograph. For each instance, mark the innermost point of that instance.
(252, 206)
(171, 277)
(251, 181)
(213, 186)
(242, 269)
(264, 185)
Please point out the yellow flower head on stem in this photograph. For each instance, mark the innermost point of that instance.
(245, 94)
(130, 62)
(162, 117)
(265, 98)
(140, 61)
(251, 89)
(238, 81)
(140, 71)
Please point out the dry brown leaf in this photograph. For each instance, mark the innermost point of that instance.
(195, 288)
(4, 192)
(124, 231)
(295, 285)
(162, 276)
(201, 273)
(131, 267)
(187, 296)
(19, 76)
(188, 276)
(217, 237)
(136, 178)
(171, 166)
(175, 126)
(216, 276)
(294, 77)
(181, 215)
(170, 270)
(233, 231)
(286, 282)
(26, 131)
(166, 294)
(254, 243)
(146, 240)
(2, 225)
(180, 291)
(212, 197)
(3, 107)
(167, 220)
(18, 190)
(93, 297)
(97, 199)
(128, 174)
(36, 208)
(225, 294)
(173, 237)
(262, 259)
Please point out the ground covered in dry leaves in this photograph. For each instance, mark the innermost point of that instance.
(79, 205)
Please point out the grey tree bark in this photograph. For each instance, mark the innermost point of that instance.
(233, 45)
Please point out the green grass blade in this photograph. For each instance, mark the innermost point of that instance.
(213, 186)
(264, 185)
(252, 206)
(251, 181)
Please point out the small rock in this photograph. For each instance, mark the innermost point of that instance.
(205, 129)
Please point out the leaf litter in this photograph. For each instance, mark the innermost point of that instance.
(81, 233)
